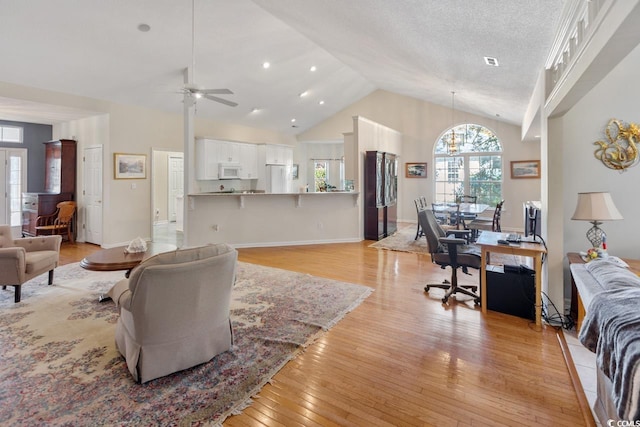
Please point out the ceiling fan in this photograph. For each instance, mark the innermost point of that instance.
(192, 89)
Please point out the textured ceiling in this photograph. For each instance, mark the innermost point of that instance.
(420, 48)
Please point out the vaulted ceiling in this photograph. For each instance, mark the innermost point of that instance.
(420, 48)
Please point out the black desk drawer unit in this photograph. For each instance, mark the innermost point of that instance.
(511, 292)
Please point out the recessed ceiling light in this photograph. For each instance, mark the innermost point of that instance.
(293, 120)
(266, 65)
(255, 110)
(144, 27)
(197, 95)
(491, 61)
(321, 102)
(313, 68)
(303, 94)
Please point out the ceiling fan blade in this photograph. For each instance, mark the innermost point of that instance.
(220, 100)
(215, 92)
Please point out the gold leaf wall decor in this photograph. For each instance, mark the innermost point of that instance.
(620, 151)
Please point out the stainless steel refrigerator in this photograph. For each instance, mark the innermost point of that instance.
(380, 195)
(278, 179)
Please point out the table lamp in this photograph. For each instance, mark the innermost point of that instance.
(595, 208)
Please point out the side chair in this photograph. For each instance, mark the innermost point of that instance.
(464, 217)
(60, 222)
(447, 251)
(489, 224)
(421, 204)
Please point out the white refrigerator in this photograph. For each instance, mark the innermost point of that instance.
(278, 179)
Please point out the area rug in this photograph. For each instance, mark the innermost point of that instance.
(60, 367)
(403, 240)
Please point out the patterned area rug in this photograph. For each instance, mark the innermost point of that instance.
(403, 241)
(60, 365)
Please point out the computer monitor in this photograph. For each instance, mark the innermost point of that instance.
(532, 220)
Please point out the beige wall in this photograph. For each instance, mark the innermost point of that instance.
(130, 129)
(421, 124)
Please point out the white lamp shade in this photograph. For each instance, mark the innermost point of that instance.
(596, 207)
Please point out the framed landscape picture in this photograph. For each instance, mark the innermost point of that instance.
(416, 170)
(525, 169)
(129, 166)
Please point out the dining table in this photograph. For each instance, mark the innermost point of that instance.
(466, 209)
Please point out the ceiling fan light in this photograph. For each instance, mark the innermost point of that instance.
(266, 65)
(197, 95)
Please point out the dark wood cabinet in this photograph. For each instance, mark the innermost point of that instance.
(60, 166)
(59, 182)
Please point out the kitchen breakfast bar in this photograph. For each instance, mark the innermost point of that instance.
(273, 219)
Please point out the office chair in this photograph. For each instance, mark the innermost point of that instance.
(451, 252)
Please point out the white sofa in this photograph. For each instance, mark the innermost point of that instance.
(611, 296)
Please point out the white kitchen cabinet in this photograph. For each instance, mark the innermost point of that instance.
(278, 155)
(249, 161)
(228, 152)
(210, 153)
(206, 159)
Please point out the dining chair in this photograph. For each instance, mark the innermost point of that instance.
(466, 216)
(421, 204)
(440, 211)
(492, 224)
(454, 252)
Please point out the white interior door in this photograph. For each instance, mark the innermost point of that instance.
(13, 182)
(176, 183)
(92, 192)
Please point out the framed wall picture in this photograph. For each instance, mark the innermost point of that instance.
(525, 169)
(129, 166)
(294, 172)
(416, 170)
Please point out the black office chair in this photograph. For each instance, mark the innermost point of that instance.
(451, 252)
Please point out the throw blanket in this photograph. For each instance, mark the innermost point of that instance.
(611, 329)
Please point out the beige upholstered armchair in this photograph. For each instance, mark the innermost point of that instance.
(174, 310)
(23, 259)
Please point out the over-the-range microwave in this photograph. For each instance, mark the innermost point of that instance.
(229, 171)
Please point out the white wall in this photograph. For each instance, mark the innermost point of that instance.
(616, 96)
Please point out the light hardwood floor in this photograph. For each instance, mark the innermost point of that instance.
(402, 358)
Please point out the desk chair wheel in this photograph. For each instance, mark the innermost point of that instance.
(476, 301)
(445, 285)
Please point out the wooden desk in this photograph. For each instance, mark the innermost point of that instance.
(113, 259)
(488, 242)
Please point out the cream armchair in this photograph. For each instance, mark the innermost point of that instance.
(174, 310)
(23, 259)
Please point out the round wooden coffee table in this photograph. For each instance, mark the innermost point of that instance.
(113, 259)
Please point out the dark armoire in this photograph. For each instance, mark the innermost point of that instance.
(59, 183)
(380, 195)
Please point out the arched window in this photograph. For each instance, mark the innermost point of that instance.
(475, 168)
